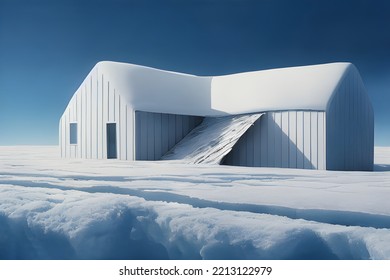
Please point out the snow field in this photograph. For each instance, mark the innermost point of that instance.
(89, 209)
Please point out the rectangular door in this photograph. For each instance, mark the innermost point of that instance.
(111, 140)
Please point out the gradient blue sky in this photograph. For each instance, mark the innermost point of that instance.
(47, 47)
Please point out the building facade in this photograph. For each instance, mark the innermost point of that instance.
(315, 117)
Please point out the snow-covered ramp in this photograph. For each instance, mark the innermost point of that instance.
(212, 140)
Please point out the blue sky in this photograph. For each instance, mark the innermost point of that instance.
(47, 47)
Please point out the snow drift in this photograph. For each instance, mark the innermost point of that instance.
(55, 209)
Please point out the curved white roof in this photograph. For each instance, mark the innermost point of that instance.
(294, 88)
(305, 87)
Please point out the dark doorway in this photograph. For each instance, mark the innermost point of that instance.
(111, 140)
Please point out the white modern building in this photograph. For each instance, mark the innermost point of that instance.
(315, 117)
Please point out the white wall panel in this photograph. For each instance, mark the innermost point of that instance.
(171, 130)
(157, 133)
(278, 138)
(157, 136)
(341, 140)
(256, 148)
(321, 138)
(129, 134)
(250, 148)
(99, 116)
(122, 127)
(285, 140)
(94, 105)
(179, 128)
(275, 136)
(94, 118)
(165, 136)
(307, 128)
(292, 135)
(300, 137)
(83, 140)
(151, 136)
(349, 125)
(271, 139)
(314, 140)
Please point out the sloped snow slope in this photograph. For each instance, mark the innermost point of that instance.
(86, 209)
(212, 140)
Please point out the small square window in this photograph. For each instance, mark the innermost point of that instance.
(73, 133)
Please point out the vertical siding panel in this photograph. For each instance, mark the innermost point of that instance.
(89, 114)
(89, 88)
(186, 125)
(111, 110)
(360, 116)
(64, 144)
(94, 117)
(307, 140)
(138, 135)
(117, 120)
(156, 133)
(343, 109)
(249, 137)
(191, 123)
(352, 134)
(129, 134)
(285, 140)
(314, 139)
(97, 119)
(144, 136)
(271, 139)
(60, 136)
(165, 133)
(65, 124)
(358, 123)
(98, 116)
(256, 143)
(278, 139)
(66, 133)
(292, 120)
(79, 126)
(264, 140)
(347, 127)
(107, 100)
(236, 157)
(104, 117)
(122, 130)
(75, 147)
(333, 141)
(242, 157)
(321, 141)
(357, 116)
(179, 128)
(172, 131)
(300, 139)
(157, 136)
(85, 122)
(70, 110)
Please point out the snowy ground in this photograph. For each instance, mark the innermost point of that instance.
(87, 209)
